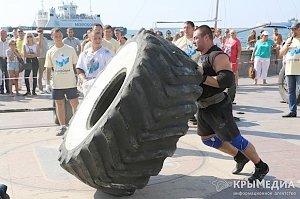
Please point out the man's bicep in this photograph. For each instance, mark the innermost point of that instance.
(222, 62)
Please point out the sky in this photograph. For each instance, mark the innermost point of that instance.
(135, 14)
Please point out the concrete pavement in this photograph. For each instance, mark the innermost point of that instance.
(29, 151)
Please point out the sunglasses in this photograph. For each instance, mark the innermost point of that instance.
(29, 36)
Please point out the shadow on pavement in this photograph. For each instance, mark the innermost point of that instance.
(272, 134)
(255, 109)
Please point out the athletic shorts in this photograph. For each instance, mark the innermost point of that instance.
(217, 119)
(59, 94)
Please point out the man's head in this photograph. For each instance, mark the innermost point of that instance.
(70, 32)
(3, 34)
(188, 29)
(20, 33)
(203, 38)
(107, 32)
(97, 27)
(296, 29)
(57, 35)
(39, 30)
(118, 33)
(96, 38)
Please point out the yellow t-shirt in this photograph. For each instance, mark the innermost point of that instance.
(62, 60)
(115, 44)
(292, 58)
(104, 43)
(19, 45)
(186, 45)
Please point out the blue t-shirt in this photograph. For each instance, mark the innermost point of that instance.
(263, 49)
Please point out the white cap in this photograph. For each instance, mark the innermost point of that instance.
(265, 33)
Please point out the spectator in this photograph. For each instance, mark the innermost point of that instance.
(107, 36)
(292, 68)
(13, 65)
(168, 36)
(92, 61)
(261, 56)
(277, 37)
(118, 34)
(233, 48)
(86, 39)
(225, 36)
(3, 61)
(62, 59)
(43, 43)
(251, 40)
(31, 52)
(72, 41)
(176, 37)
(185, 43)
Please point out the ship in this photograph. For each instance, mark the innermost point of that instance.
(66, 16)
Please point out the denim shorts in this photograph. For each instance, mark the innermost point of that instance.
(59, 94)
(13, 66)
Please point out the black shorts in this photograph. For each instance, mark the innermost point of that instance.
(59, 94)
(218, 119)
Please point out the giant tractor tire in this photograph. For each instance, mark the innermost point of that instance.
(283, 88)
(68, 112)
(132, 117)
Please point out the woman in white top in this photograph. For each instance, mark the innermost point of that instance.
(30, 51)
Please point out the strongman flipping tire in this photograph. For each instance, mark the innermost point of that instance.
(216, 124)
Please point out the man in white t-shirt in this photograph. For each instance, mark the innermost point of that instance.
(185, 43)
(62, 59)
(92, 61)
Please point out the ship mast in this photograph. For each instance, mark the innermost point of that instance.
(216, 16)
(91, 12)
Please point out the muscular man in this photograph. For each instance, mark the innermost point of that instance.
(92, 61)
(216, 124)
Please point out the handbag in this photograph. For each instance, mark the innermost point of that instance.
(21, 64)
(251, 71)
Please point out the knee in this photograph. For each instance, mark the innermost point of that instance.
(240, 142)
(213, 141)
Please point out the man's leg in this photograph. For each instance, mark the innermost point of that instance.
(74, 103)
(41, 73)
(60, 111)
(226, 147)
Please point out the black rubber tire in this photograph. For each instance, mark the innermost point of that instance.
(132, 117)
(68, 109)
(283, 88)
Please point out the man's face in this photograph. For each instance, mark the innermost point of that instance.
(188, 30)
(198, 41)
(3, 34)
(296, 32)
(96, 39)
(20, 34)
(57, 37)
(108, 33)
(117, 34)
(70, 33)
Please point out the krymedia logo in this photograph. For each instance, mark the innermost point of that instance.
(245, 188)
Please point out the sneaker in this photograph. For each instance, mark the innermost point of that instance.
(61, 131)
(240, 163)
(259, 173)
(291, 114)
(27, 93)
(34, 93)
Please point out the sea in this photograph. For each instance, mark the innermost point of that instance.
(242, 33)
